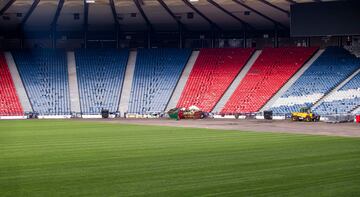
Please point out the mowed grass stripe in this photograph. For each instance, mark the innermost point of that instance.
(69, 158)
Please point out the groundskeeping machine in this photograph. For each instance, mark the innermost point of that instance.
(305, 114)
(192, 112)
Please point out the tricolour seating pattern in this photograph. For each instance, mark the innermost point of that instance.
(100, 74)
(343, 101)
(157, 72)
(212, 74)
(329, 70)
(273, 68)
(9, 101)
(45, 77)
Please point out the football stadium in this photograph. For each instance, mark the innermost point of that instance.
(179, 98)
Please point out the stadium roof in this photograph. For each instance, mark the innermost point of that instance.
(140, 15)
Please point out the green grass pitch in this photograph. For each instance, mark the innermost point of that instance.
(73, 158)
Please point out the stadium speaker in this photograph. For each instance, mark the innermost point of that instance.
(105, 113)
(6, 18)
(268, 115)
(76, 16)
(190, 15)
(32, 115)
(237, 116)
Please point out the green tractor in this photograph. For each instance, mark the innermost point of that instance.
(305, 114)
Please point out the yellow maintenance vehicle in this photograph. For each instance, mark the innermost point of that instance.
(305, 114)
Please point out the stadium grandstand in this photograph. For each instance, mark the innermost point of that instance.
(286, 66)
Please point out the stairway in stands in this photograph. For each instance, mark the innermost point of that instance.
(129, 76)
(9, 101)
(73, 83)
(212, 74)
(273, 68)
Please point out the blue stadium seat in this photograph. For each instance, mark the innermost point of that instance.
(157, 72)
(100, 75)
(343, 101)
(329, 70)
(45, 77)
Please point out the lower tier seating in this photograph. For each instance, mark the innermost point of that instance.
(212, 74)
(329, 70)
(273, 68)
(157, 72)
(45, 77)
(9, 101)
(343, 101)
(100, 74)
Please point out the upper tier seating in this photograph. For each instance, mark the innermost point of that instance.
(157, 72)
(212, 74)
(273, 68)
(100, 75)
(343, 101)
(9, 101)
(329, 70)
(45, 77)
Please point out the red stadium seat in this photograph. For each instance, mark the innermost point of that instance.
(9, 102)
(212, 74)
(273, 68)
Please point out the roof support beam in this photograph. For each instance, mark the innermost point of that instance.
(276, 7)
(113, 11)
(117, 24)
(148, 23)
(86, 22)
(86, 15)
(54, 22)
(212, 24)
(6, 7)
(276, 23)
(163, 4)
(57, 13)
(245, 24)
(291, 1)
(28, 14)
